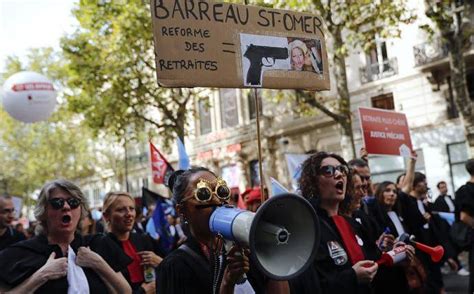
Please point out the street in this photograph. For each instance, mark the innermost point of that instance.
(455, 284)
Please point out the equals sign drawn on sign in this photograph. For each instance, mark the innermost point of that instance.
(228, 44)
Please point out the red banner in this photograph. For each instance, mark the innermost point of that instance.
(160, 168)
(385, 132)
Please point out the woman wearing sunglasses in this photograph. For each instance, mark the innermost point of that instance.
(119, 214)
(201, 264)
(59, 259)
(344, 262)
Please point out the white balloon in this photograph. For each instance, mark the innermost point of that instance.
(29, 96)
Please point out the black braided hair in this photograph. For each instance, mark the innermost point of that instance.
(179, 181)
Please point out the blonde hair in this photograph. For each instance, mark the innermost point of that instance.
(109, 199)
(298, 44)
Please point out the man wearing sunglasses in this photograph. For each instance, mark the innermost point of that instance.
(8, 235)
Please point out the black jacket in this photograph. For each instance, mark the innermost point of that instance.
(141, 242)
(22, 259)
(332, 261)
(441, 205)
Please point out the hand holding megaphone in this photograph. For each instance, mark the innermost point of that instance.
(237, 265)
(283, 235)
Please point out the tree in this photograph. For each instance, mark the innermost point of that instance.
(112, 72)
(349, 25)
(35, 153)
(451, 19)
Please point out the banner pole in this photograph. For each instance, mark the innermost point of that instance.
(259, 144)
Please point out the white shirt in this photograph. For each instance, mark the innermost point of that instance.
(450, 203)
(396, 222)
(421, 208)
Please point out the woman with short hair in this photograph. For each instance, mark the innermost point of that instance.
(59, 259)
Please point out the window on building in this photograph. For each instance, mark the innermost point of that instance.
(384, 101)
(205, 126)
(385, 168)
(145, 182)
(388, 168)
(229, 112)
(254, 173)
(470, 83)
(251, 103)
(231, 174)
(377, 58)
(457, 156)
(96, 196)
(420, 161)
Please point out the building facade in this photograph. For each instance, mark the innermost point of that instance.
(409, 75)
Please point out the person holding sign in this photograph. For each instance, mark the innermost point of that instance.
(345, 259)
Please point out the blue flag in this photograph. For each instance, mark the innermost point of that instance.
(183, 161)
(277, 188)
(158, 226)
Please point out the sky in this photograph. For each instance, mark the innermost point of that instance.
(28, 24)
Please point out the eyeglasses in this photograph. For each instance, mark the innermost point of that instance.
(363, 187)
(8, 211)
(365, 178)
(58, 203)
(203, 192)
(330, 170)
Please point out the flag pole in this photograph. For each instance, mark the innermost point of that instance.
(259, 144)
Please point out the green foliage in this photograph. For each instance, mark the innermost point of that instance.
(35, 153)
(112, 72)
(350, 25)
(359, 20)
(450, 20)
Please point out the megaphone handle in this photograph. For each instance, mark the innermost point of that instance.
(228, 245)
(243, 278)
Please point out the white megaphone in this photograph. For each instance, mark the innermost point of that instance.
(283, 235)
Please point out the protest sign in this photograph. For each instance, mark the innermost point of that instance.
(385, 132)
(209, 44)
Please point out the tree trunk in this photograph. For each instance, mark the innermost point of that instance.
(458, 78)
(347, 141)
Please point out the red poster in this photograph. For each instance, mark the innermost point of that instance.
(385, 132)
(160, 168)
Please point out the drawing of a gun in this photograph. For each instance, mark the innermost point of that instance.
(255, 55)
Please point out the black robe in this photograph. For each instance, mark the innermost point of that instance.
(333, 275)
(465, 203)
(390, 279)
(142, 242)
(21, 260)
(415, 224)
(441, 205)
(181, 273)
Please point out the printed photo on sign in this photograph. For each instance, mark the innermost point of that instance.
(305, 55)
(262, 53)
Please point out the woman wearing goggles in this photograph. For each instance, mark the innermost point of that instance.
(201, 265)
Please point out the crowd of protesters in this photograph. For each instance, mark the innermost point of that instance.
(71, 248)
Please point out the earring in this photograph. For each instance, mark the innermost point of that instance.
(184, 219)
